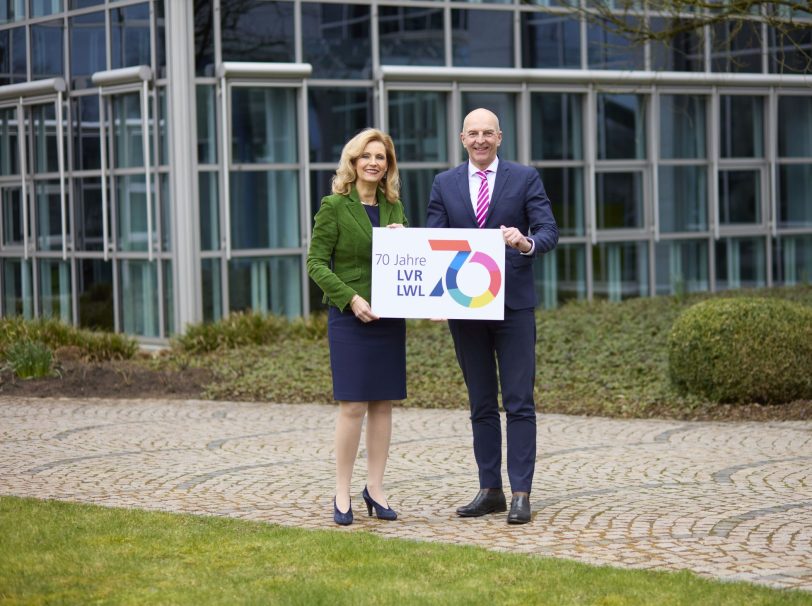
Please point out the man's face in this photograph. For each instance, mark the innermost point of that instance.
(481, 138)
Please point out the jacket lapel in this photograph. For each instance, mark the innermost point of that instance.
(465, 191)
(502, 175)
(358, 213)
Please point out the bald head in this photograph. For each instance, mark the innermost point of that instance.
(481, 137)
(479, 115)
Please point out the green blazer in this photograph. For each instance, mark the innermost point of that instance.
(340, 255)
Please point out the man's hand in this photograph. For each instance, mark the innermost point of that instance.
(516, 239)
(362, 310)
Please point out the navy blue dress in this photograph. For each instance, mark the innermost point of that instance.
(368, 360)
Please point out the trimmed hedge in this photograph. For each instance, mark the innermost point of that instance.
(743, 350)
(95, 346)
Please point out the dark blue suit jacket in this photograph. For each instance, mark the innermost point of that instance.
(518, 200)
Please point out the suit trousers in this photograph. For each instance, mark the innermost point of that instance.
(481, 346)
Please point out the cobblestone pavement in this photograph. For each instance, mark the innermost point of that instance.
(726, 500)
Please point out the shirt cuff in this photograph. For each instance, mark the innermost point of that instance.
(532, 248)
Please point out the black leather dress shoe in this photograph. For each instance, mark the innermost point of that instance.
(486, 501)
(519, 510)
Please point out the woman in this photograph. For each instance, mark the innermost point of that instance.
(367, 353)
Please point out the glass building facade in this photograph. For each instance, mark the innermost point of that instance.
(161, 161)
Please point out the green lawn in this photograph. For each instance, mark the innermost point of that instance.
(59, 553)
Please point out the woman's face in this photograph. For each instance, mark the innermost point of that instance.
(371, 164)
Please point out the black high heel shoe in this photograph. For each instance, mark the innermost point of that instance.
(381, 512)
(342, 518)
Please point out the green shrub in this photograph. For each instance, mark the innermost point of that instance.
(95, 346)
(743, 350)
(29, 359)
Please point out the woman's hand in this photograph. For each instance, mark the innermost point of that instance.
(362, 310)
(395, 225)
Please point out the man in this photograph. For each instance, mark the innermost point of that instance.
(490, 193)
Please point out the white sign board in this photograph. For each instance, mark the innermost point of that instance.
(438, 273)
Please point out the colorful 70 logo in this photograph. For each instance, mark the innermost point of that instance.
(463, 249)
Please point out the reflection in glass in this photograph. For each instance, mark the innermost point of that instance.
(87, 47)
(41, 8)
(139, 297)
(263, 125)
(206, 124)
(556, 124)
(46, 156)
(321, 186)
(619, 200)
(265, 209)
(682, 126)
(47, 57)
(684, 52)
(795, 195)
(166, 212)
(681, 266)
(794, 126)
(257, 30)
(131, 214)
(73, 4)
(49, 216)
(12, 10)
(736, 46)
(609, 50)
(621, 127)
(129, 36)
(95, 287)
(620, 270)
(414, 193)
(792, 260)
(335, 115)
(565, 188)
(266, 285)
(418, 125)
(212, 289)
(740, 263)
(550, 40)
(11, 200)
(790, 49)
(482, 38)
(169, 299)
(13, 56)
(9, 146)
(204, 38)
(163, 140)
(129, 149)
(504, 106)
(560, 275)
(411, 35)
(209, 186)
(86, 145)
(17, 293)
(89, 217)
(683, 199)
(741, 133)
(739, 196)
(54, 293)
(336, 40)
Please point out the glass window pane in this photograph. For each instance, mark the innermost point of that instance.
(87, 48)
(795, 195)
(504, 106)
(411, 35)
(681, 266)
(86, 144)
(792, 260)
(620, 270)
(482, 38)
(736, 46)
(54, 290)
(335, 115)
(565, 188)
(47, 59)
(160, 38)
(209, 186)
(139, 297)
(683, 199)
(204, 38)
(46, 158)
(166, 212)
(18, 299)
(608, 50)
(129, 34)
(89, 215)
(790, 49)
(12, 209)
(739, 196)
(206, 125)
(129, 149)
(212, 288)
(740, 263)
(9, 144)
(619, 200)
(266, 285)
(621, 127)
(41, 8)
(95, 287)
(414, 192)
(682, 126)
(560, 275)
(263, 125)
(321, 186)
(336, 40)
(265, 209)
(169, 299)
(550, 40)
(683, 52)
(12, 10)
(741, 126)
(795, 126)
(83, 3)
(556, 123)
(257, 30)
(49, 216)
(131, 214)
(418, 125)
(163, 140)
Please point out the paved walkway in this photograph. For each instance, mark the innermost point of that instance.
(726, 500)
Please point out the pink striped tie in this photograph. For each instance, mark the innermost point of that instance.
(482, 198)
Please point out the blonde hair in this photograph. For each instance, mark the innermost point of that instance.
(346, 174)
